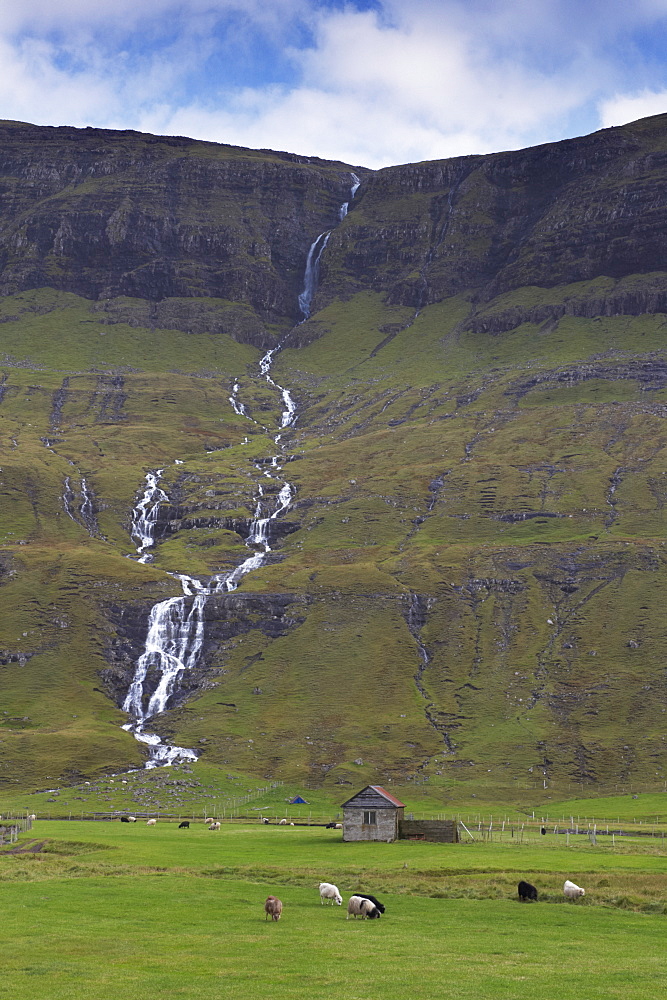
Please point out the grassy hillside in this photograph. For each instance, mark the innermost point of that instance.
(467, 591)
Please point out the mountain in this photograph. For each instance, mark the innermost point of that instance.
(459, 568)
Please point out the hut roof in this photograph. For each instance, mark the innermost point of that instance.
(374, 795)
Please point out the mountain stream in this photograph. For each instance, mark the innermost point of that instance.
(175, 633)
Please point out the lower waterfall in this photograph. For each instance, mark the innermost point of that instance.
(175, 633)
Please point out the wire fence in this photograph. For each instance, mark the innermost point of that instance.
(12, 826)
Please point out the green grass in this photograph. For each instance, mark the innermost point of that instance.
(415, 465)
(181, 913)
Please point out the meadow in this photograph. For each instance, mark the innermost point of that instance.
(107, 907)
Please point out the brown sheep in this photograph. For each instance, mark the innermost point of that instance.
(273, 907)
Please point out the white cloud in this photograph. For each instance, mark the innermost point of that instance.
(624, 108)
(430, 79)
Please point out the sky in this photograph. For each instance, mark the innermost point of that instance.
(368, 82)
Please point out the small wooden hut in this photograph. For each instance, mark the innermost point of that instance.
(372, 814)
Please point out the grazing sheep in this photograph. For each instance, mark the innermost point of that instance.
(339, 826)
(360, 907)
(214, 826)
(374, 901)
(131, 819)
(32, 816)
(273, 908)
(572, 891)
(265, 820)
(283, 822)
(185, 825)
(330, 891)
(209, 820)
(125, 819)
(330, 826)
(527, 892)
(151, 822)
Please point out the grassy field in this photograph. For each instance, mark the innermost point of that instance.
(107, 908)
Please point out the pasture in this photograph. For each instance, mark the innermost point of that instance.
(109, 909)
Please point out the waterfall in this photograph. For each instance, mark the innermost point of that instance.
(145, 513)
(85, 513)
(342, 212)
(175, 633)
(312, 273)
(86, 509)
(238, 407)
(176, 626)
(68, 497)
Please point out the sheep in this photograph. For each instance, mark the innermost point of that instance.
(125, 819)
(572, 891)
(283, 822)
(209, 820)
(265, 820)
(374, 901)
(339, 826)
(185, 825)
(330, 891)
(273, 907)
(32, 816)
(330, 826)
(131, 819)
(151, 822)
(527, 892)
(214, 826)
(358, 906)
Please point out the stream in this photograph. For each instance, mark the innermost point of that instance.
(175, 633)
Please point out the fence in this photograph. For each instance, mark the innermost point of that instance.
(11, 827)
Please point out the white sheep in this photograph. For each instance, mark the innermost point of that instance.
(32, 817)
(209, 820)
(338, 826)
(330, 891)
(151, 822)
(214, 826)
(131, 819)
(360, 907)
(572, 891)
(283, 822)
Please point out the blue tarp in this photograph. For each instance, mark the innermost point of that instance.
(298, 801)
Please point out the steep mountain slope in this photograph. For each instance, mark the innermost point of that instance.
(469, 580)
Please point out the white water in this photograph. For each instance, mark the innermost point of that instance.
(238, 407)
(312, 273)
(176, 627)
(342, 212)
(175, 632)
(67, 498)
(144, 515)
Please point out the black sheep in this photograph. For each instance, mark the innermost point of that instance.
(365, 895)
(185, 825)
(527, 892)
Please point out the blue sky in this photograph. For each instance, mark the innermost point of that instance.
(370, 82)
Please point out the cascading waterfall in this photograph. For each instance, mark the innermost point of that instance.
(346, 204)
(145, 514)
(175, 633)
(68, 497)
(312, 273)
